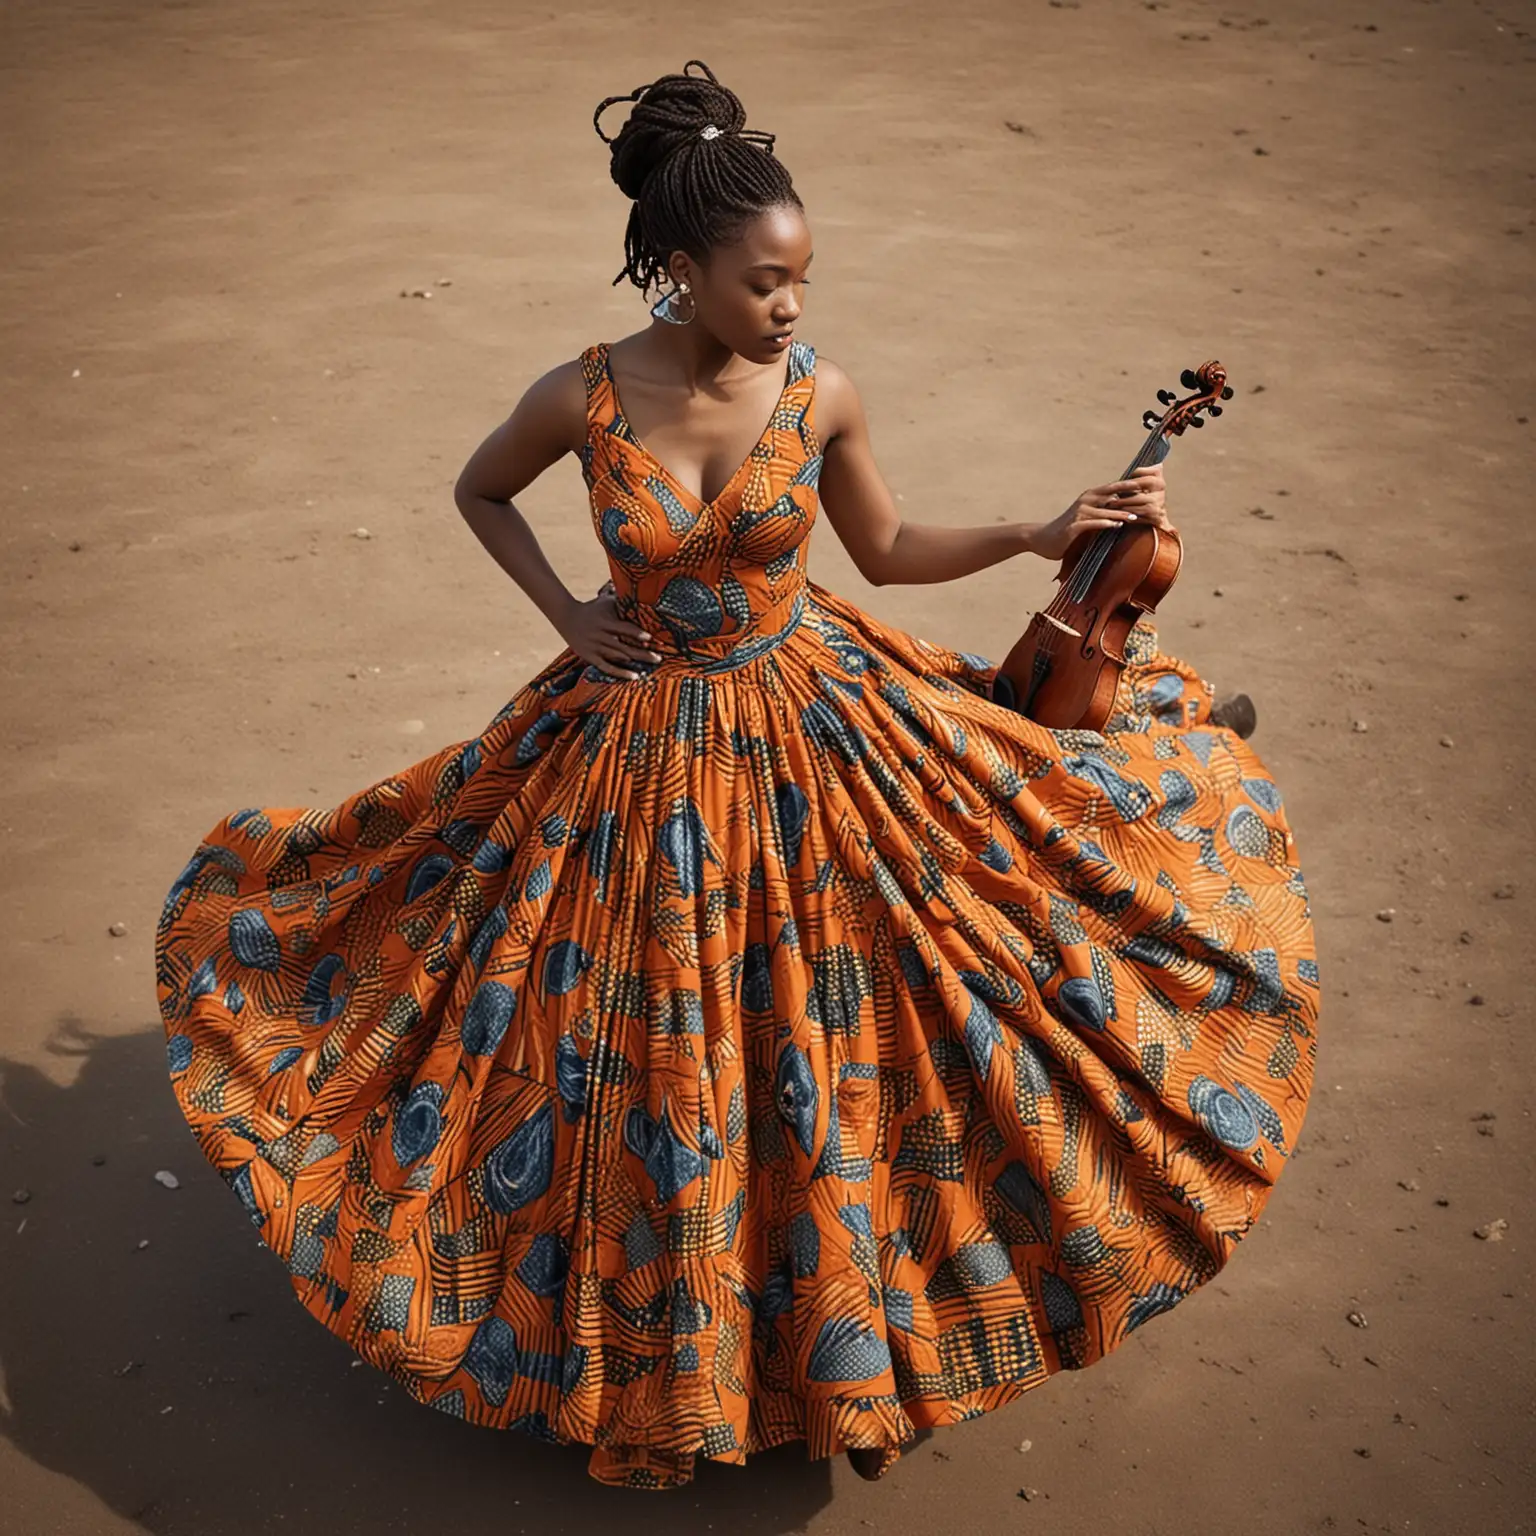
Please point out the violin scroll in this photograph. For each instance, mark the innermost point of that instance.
(1209, 383)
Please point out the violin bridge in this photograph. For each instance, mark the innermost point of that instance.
(1066, 629)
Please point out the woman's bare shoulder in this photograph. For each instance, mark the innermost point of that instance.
(838, 407)
(548, 421)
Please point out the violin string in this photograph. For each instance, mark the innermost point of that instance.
(1097, 553)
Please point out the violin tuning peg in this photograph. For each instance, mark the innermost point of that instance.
(1198, 421)
(1215, 410)
(1188, 379)
(1165, 395)
(1149, 419)
(1226, 394)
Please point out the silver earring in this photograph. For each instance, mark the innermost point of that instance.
(666, 307)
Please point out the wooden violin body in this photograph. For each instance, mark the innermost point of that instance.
(1065, 670)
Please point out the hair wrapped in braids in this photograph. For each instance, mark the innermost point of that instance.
(691, 191)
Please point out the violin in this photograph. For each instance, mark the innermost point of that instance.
(1065, 670)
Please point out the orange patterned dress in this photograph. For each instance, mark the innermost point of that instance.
(788, 1043)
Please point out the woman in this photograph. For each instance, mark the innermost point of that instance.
(755, 1033)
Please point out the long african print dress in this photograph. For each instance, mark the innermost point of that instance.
(788, 1043)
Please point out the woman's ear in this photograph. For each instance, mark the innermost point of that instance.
(682, 268)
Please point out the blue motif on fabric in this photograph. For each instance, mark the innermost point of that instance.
(317, 1005)
(518, 1168)
(1223, 1115)
(284, 1059)
(794, 812)
(570, 1075)
(565, 963)
(804, 1244)
(610, 524)
(670, 1163)
(982, 1033)
(252, 941)
(1019, 1187)
(486, 1018)
(1063, 1310)
(692, 610)
(1083, 1002)
(684, 842)
(544, 1266)
(529, 747)
(797, 1094)
(847, 1349)
(1130, 798)
(756, 979)
(492, 928)
(418, 1123)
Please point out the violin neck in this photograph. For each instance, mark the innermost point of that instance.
(1153, 451)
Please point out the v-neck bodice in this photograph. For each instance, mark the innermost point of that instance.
(669, 475)
(715, 582)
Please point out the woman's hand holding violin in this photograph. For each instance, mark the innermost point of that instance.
(1142, 498)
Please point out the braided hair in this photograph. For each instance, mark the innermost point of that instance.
(691, 191)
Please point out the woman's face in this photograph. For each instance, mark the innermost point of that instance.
(750, 293)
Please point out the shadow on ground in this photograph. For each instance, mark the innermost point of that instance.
(185, 1386)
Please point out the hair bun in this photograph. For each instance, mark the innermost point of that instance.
(669, 115)
(688, 191)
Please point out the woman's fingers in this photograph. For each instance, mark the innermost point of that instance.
(622, 644)
(616, 669)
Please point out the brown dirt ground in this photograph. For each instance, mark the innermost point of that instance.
(209, 212)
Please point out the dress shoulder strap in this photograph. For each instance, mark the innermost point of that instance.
(594, 374)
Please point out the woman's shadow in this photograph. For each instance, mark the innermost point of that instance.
(154, 1352)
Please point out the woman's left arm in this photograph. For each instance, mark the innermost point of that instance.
(887, 550)
(892, 552)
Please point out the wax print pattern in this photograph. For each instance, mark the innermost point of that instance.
(788, 1043)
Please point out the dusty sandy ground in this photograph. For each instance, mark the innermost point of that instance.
(1028, 217)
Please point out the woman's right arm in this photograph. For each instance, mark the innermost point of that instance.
(547, 423)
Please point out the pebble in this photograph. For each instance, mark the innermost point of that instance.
(1445, 741)
(1358, 1319)
(361, 533)
(1408, 1184)
(1476, 1000)
(1386, 914)
(1492, 1231)
(143, 1242)
(1504, 893)
(1216, 592)
(413, 727)
(169, 1179)
(117, 930)
(1465, 937)
(21, 1197)
(1024, 1446)
(1360, 726)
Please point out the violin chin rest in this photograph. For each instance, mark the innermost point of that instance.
(1004, 693)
